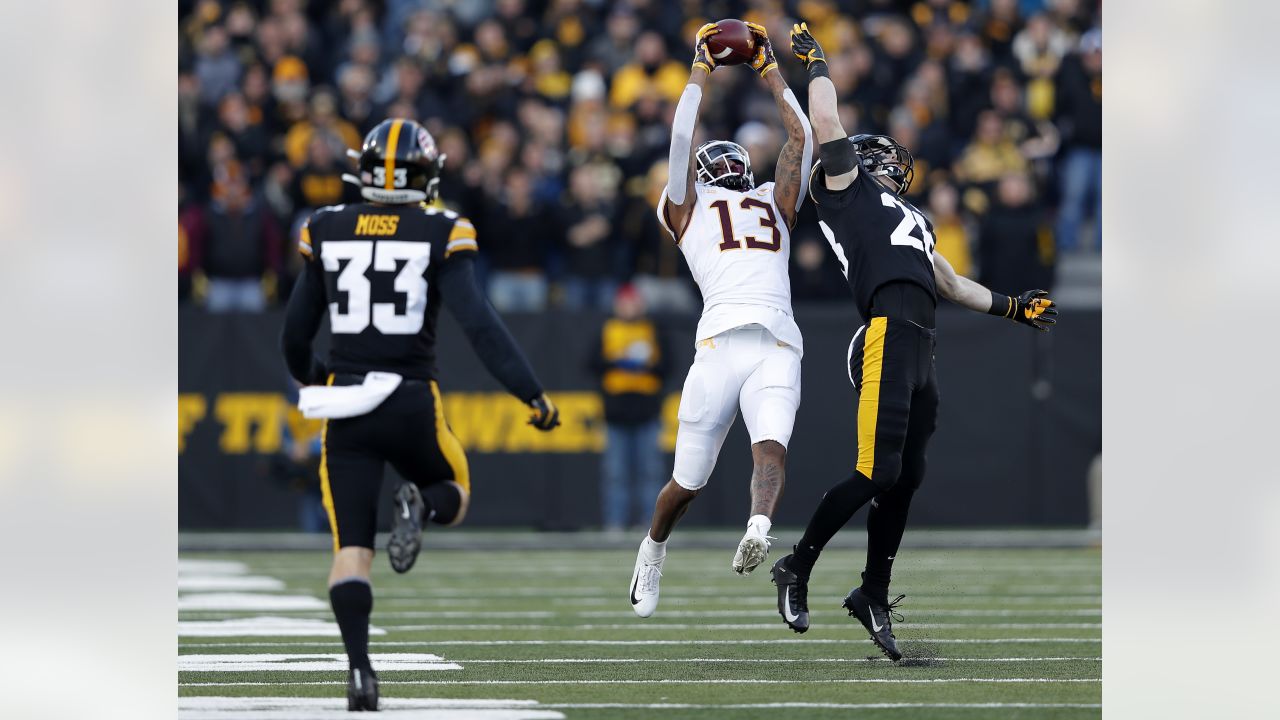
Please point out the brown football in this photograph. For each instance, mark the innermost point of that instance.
(733, 45)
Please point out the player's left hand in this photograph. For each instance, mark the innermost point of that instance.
(764, 59)
(1034, 308)
(545, 415)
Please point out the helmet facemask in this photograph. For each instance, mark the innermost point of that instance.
(886, 160)
(725, 164)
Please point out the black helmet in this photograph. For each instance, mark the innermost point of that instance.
(399, 164)
(882, 156)
(726, 164)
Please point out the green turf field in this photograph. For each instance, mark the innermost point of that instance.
(545, 634)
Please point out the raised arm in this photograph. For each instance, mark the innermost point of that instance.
(791, 176)
(839, 161)
(681, 168)
(1032, 307)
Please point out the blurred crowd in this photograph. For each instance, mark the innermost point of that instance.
(555, 119)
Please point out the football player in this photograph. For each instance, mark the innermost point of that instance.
(736, 238)
(885, 247)
(380, 270)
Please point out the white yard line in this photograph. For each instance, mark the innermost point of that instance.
(308, 662)
(730, 625)
(248, 601)
(832, 706)
(226, 708)
(706, 681)
(228, 583)
(770, 661)
(778, 641)
(211, 567)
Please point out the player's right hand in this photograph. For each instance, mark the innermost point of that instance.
(545, 415)
(1034, 308)
(804, 47)
(701, 57)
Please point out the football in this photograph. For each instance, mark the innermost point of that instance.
(733, 45)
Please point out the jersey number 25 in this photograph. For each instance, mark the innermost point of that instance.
(352, 280)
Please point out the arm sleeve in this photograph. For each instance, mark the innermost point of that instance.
(484, 329)
(682, 128)
(301, 321)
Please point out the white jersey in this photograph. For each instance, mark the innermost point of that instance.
(738, 248)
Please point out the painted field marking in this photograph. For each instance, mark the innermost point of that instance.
(732, 626)
(816, 705)
(605, 591)
(1082, 612)
(228, 583)
(778, 641)
(706, 681)
(211, 567)
(227, 708)
(263, 627)
(248, 601)
(770, 661)
(309, 662)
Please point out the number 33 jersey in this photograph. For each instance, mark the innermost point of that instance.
(877, 236)
(379, 264)
(738, 247)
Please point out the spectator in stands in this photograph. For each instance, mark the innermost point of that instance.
(651, 73)
(1015, 248)
(515, 233)
(1080, 117)
(949, 228)
(629, 356)
(242, 254)
(591, 250)
(319, 181)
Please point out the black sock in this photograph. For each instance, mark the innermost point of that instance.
(352, 601)
(837, 506)
(443, 500)
(886, 523)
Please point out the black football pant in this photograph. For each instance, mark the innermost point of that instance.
(407, 430)
(891, 367)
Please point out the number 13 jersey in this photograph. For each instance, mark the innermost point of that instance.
(877, 237)
(738, 248)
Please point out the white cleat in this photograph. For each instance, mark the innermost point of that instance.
(752, 550)
(644, 584)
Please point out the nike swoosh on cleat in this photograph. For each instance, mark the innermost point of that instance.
(786, 608)
(405, 515)
(874, 626)
(634, 582)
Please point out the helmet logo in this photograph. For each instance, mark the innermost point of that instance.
(427, 143)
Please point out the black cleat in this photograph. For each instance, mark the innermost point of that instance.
(406, 529)
(362, 690)
(793, 595)
(877, 618)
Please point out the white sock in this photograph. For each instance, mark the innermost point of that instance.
(652, 549)
(762, 523)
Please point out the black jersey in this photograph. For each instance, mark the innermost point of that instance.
(877, 236)
(379, 265)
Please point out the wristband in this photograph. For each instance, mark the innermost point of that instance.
(1002, 306)
(838, 157)
(817, 69)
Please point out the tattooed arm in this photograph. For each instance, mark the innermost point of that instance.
(796, 158)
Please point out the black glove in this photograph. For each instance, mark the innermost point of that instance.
(1032, 307)
(545, 415)
(803, 46)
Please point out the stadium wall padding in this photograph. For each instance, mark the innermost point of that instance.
(1020, 422)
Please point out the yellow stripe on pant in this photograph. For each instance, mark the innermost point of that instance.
(869, 401)
(326, 493)
(449, 445)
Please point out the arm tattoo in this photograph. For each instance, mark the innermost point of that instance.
(767, 481)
